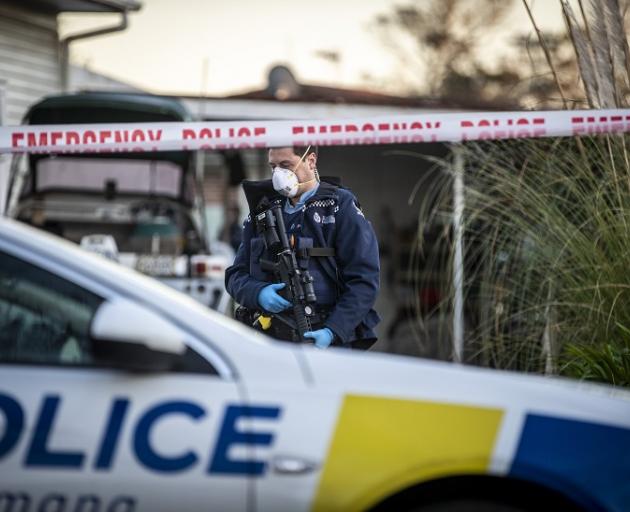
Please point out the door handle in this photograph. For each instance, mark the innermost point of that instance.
(292, 465)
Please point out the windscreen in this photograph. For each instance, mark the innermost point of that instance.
(124, 176)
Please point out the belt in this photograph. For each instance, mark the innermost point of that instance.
(282, 331)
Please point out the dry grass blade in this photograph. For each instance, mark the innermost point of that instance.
(618, 40)
(584, 56)
(545, 48)
(584, 19)
(603, 60)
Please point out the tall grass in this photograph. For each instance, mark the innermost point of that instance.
(547, 231)
(547, 238)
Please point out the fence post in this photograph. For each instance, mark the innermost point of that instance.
(458, 257)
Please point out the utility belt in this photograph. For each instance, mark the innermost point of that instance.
(276, 328)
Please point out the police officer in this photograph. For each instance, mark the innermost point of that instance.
(329, 228)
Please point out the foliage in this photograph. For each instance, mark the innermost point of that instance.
(547, 238)
(444, 35)
(564, 237)
(547, 228)
(606, 363)
(442, 47)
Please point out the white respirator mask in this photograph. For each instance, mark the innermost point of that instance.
(286, 182)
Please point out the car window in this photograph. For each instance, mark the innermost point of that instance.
(43, 318)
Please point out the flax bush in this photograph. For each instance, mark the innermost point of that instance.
(547, 251)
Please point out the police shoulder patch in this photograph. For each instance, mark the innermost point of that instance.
(321, 203)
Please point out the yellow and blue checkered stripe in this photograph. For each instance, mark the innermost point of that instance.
(587, 461)
(382, 446)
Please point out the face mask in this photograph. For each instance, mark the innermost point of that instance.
(285, 182)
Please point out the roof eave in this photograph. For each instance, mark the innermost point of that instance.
(95, 6)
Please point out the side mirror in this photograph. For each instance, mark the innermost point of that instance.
(129, 336)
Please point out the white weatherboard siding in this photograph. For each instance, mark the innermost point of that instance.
(29, 59)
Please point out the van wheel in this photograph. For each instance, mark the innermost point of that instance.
(469, 505)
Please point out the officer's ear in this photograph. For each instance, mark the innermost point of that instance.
(312, 160)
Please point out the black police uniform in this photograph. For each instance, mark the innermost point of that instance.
(346, 283)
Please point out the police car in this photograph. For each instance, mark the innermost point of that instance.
(119, 394)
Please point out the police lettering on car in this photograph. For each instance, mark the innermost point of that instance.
(40, 454)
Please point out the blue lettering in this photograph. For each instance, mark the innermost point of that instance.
(56, 500)
(38, 453)
(8, 501)
(229, 436)
(88, 502)
(146, 454)
(111, 435)
(122, 504)
(14, 416)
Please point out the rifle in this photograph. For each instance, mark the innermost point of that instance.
(285, 268)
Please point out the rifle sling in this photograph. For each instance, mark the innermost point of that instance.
(315, 252)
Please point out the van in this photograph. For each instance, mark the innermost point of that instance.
(144, 209)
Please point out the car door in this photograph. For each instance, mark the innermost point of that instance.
(76, 434)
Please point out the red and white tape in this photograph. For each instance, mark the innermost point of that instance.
(430, 127)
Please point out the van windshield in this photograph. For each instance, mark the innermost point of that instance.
(111, 176)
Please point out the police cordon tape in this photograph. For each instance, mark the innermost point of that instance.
(396, 129)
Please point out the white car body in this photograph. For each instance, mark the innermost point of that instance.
(279, 426)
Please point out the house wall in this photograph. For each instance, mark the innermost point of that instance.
(29, 59)
(29, 68)
(384, 178)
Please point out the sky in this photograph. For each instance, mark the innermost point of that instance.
(218, 47)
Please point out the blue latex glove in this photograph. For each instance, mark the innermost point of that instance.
(323, 337)
(269, 299)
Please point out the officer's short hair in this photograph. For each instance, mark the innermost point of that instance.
(300, 150)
